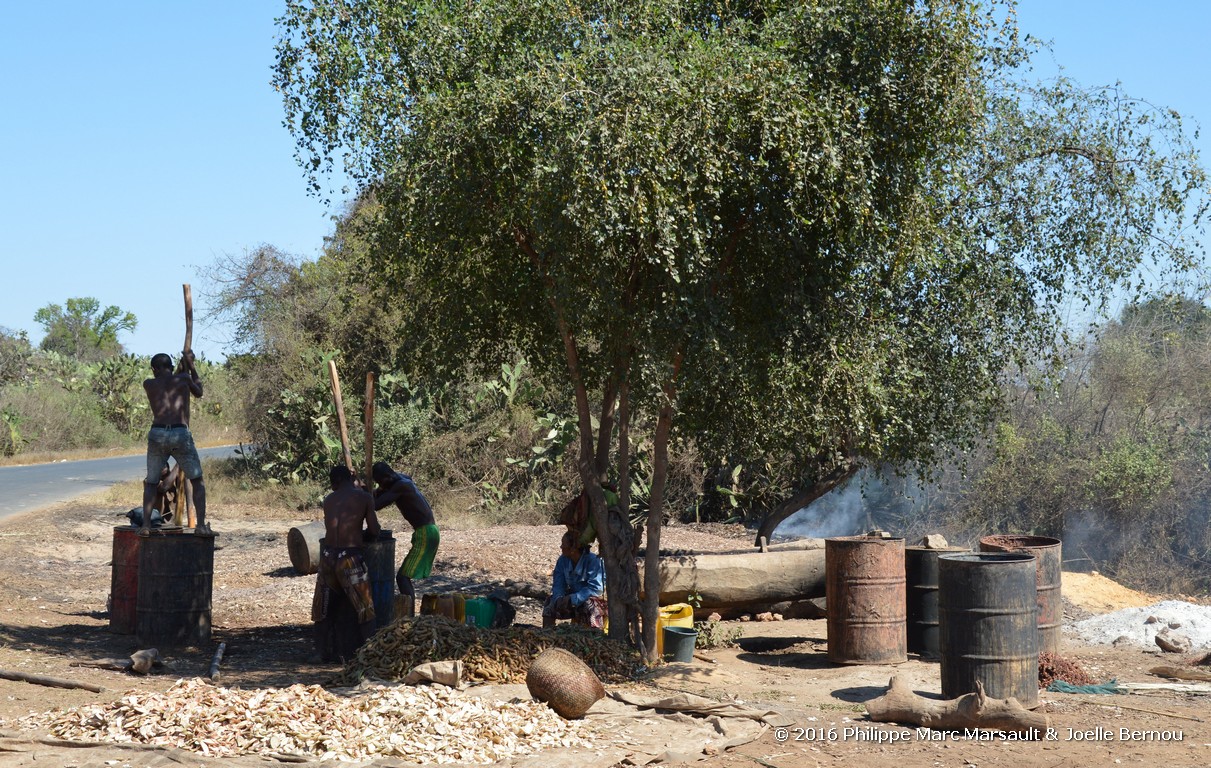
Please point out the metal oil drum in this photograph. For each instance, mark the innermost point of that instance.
(1046, 552)
(864, 584)
(987, 627)
(921, 588)
(176, 578)
(380, 564)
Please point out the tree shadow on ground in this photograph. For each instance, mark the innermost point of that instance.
(798, 652)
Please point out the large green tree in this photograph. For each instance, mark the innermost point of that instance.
(83, 330)
(810, 232)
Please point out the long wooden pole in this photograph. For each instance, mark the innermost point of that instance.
(52, 682)
(340, 412)
(188, 317)
(370, 432)
(191, 514)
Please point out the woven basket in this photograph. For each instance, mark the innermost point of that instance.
(563, 682)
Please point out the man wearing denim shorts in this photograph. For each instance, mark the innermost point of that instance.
(169, 393)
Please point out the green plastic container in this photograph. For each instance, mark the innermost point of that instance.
(480, 611)
(679, 643)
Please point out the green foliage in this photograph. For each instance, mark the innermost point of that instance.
(1127, 475)
(803, 236)
(10, 437)
(15, 357)
(83, 330)
(117, 384)
(1112, 457)
(839, 222)
(556, 433)
(53, 418)
(715, 634)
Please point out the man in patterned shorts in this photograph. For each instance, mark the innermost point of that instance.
(342, 571)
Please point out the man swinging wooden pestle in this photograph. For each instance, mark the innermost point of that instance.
(168, 395)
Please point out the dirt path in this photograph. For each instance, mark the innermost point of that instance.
(55, 578)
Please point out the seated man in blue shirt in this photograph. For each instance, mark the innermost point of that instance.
(577, 586)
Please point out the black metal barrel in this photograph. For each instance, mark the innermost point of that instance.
(380, 563)
(176, 578)
(921, 588)
(987, 613)
(864, 582)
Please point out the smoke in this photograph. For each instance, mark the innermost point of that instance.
(869, 500)
(842, 512)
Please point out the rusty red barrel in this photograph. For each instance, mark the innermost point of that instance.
(124, 580)
(1046, 552)
(176, 576)
(921, 588)
(986, 604)
(864, 584)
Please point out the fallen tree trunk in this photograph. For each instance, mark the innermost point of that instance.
(728, 580)
(971, 710)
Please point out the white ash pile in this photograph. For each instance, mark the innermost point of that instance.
(1140, 626)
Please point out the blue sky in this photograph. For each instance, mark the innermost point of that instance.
(142, 141)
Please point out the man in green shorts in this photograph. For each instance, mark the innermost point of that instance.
(398, 489)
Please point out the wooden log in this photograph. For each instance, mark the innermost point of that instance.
(1181, 673)
(50, 682)
(142, 661)
(971, 710)
(370, 432)
(188, 294)
(303, 544)
(340, 412)
(213, 675)
(116, 665)
(188, 517)
(736, 580)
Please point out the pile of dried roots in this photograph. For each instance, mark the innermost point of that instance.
(1054, 667)
(427, 724)
(488, 655)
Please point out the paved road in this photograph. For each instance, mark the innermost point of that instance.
(23, 489)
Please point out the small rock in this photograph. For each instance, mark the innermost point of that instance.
(934, 541)
(1172, 642)
(715, 616)
(777, 617)
(767, 616)
(1175, 625)
(1151, 620)
(1122, 641)
(746, 617)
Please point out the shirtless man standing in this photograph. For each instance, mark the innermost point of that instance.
(398, 489)
(343, 562)
(168, 394)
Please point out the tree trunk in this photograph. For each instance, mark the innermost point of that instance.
(651, 562)
(838, 476)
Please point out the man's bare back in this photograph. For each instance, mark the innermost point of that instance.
(168, 393)
(345, 509)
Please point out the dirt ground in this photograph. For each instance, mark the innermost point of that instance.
(55, 580)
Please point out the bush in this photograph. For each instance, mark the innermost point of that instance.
(53, 419)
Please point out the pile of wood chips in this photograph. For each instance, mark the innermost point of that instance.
(428, 724)
(488, 655)
(1053, 666)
